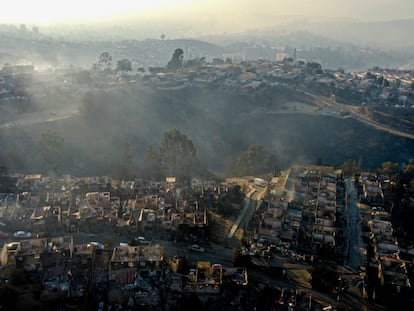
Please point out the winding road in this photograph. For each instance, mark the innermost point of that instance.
(358, 116)
(31, 118)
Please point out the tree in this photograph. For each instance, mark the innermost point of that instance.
(104, 61)
(255, 160)
(314, 68)
(176, 61)
(124, 65)
(152, 163)
(350, 167)
(177, 153)
(389, 168)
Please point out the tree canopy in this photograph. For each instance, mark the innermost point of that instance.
(350, 167)
(253, 161)
(124, 65)
(152, 162)
(104, 63)
(177, 153)
(390, 168)
(176, 61)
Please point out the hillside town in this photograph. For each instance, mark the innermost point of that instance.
(100, 243)
(385, 87)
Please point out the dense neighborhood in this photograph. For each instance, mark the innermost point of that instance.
(379, 86)
(311, 237)
(96, 242)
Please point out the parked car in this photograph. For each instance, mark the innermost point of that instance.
(12, 246)
(22, 234)
(97, 245)
(196, 248)
(4, 234)
(142, 241)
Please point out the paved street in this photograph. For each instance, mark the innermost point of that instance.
(356, 249)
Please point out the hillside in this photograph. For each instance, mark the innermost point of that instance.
(220, 124)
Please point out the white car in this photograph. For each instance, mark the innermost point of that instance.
(13, 245)
(97, 245)
(196, 248)
(22, 234)
(142, 241)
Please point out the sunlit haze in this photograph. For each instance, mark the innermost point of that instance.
(253, 12)
(50, 11)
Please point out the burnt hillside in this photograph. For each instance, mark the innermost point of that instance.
(220, 124)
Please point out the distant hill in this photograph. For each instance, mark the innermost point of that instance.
(350, 44)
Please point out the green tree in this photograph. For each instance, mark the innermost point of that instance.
(176, 61)
(104, 61)
(350, 167)
(152, 167)
(314, 68)
(124, 65)
(255, 160)
(389, 168)
(177, 153)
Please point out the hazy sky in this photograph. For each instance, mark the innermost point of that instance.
(72, 11)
